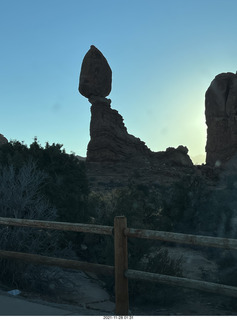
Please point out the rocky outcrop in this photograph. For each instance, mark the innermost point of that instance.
(174, 156)
(3, 140)
(221, 119)
(110, 140)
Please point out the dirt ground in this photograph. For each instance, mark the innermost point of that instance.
(194, 303)
(188, 302)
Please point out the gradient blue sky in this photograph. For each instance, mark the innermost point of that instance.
(163, 55)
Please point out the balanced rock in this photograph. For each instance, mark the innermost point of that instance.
(110, 140)
(96, 75)
(221, 119)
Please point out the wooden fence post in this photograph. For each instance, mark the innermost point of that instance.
(121, 265)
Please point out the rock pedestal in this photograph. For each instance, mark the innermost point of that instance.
(221, 119)
(110, 140)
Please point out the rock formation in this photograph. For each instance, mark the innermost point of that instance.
(96, 75)
(221, 119)
(3, 140)
(110, 140)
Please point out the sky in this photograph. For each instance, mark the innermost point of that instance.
(163, 56)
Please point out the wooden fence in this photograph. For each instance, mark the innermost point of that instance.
(120, 269)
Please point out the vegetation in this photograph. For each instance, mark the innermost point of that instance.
(189, 206)
(148, 293)
(142, 208)
(43, 184)
(48, 184)
(20, 198)
(65, 184)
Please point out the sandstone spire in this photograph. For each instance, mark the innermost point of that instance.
(221, 119)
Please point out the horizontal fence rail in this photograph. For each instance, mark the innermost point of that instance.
(64, 263)
(64, 226)
(224, 243)
(182, 282)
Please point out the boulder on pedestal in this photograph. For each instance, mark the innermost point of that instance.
(96, 75)
(110, 140)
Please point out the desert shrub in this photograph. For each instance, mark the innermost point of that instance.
(20, 193)
(150, 293)
(20, 197)
(183, 201)
(176, 208)
(141, 206)
(227, 267)
(66, 185)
